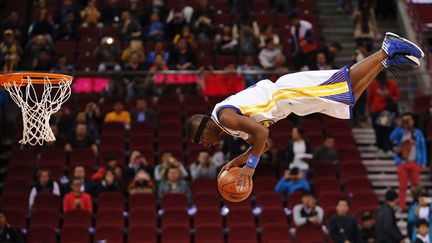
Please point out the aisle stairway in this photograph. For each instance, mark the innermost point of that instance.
(381, 169)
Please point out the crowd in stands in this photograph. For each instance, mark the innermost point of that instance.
(159, 35)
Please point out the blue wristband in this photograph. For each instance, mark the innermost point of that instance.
(252, 161)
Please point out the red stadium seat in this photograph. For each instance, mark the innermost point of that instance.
(16, 218)
(110, 217)
(138, 128)
(264, 184)
(269, 199)
(223, 19)
(175, 233)
(22, 157)
(204, 186)
(294, 199)
(242, 233)
(265, 19)
(275, 232)
(142, 201)
(265, 169)
(45, 218)
(109, 234)
(41, 234)
(323, 169)
(19, 202)
(80, 218)
(86, 63)
(350, 170)
(89, 33)
(205, 216)
(47, 200)
(239, 216)
(325, 184)
(113, 200)
(16, 187)
(21, 173)
(174, 201)
(272, 215)
(175, 217)
(357, 184)
(328, 213)
(330, 199)
(136, 217)
(364, 199)
(245, 204)
(72, 234)
(83, 156)
(309, 233)
(142, 234)
(209, 233)
(206, 200)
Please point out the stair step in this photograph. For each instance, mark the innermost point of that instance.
(376, 155)
(366, 140)
(395, 184)
(378, 162)
(368, 148)
(393, 177)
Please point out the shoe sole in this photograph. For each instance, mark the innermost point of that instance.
(408, 41)
(414, 60)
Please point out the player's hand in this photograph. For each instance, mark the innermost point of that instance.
(227, 166)
(244, 179)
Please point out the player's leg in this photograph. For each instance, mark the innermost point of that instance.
(395, 50)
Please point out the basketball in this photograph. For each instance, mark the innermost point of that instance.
(227, 187)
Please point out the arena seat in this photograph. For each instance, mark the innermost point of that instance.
(41, 234)
(16, 218)
(206, 200)
(110, 217)
(79, 218)
(357, 184)
(242, 233)
(269, 199)
(206, 216)
(208, 233)
(142, 201)
(174, 201)
(73, 234)
(309, 233)
(274, 232)
(114, 200)
(47, 200)
(325, 184)
(142, 234)
(175, 217)
(240, 216)
(272, 215)
(137, 215)
(175, 233)
(109, 234)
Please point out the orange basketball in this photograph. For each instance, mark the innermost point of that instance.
(227, 187)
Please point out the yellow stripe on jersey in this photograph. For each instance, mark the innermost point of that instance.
(313, 91)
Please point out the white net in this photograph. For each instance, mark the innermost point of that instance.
(37, 106)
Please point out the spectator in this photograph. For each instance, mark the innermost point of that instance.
(291, 182)
(423, 235)
(365, 30)
(386, 227)
(135, 62)
(77, 199)
(167, 160)
(421, 210)
(184, 8)
(226, 42)
(92, 111)
(280, 66)
(410, 155)
(342, 226)
(141, 113)
(135, 46)
(298, 150)
(43, 62)
(109, 183)
(359, 54)
(203, 167)
(142, 183)
(284, 6)
(68, 30)
(303, 42)
(136, 162)
(250, 65)
(267, 55)
(332, 52)
(187, 35)
(159, 64)
(62, 66)
(81, 139)
(111, 13)
(90, 14)
(159, 50)
(119, 114)
(14, 23)
(9, 233)
(320, 63)
(87, 185)
(202, 20)
(42, 25)
(182, 57)
(111, 164)
(326, 152)
(108, 55)
(175, 24)
(173, 183)
(130, 29)
(60, 139)
(248, 41)
(63, 10)
(37, 44)
(156, 28)
(308, 212)
(10, 51)
(269, 33)
(43, 184)
(382, 96)
(367, 230)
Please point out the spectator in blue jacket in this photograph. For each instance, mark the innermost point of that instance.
(420, 210)
(156, 28)
(410, 155)
(291, 182)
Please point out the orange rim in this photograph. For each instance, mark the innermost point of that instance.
(36, 78)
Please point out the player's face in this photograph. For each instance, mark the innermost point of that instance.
(210, 138)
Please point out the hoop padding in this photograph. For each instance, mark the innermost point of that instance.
(38, 106)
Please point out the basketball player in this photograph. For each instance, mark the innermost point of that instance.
(248, 113)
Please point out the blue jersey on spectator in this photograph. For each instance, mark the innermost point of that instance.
(286, 187)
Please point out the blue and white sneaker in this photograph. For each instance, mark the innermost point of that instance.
(394, 45)
(402, 61)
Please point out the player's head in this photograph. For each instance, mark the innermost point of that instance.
(199, 131)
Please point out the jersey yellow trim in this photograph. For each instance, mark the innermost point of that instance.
(221, 127)
(314, 91)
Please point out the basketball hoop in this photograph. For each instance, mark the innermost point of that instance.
(39, 95)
